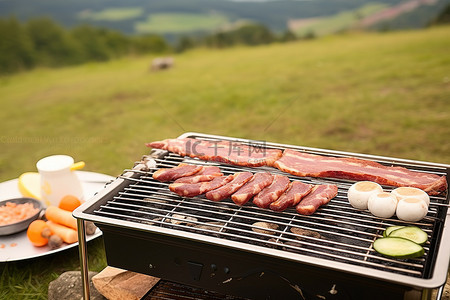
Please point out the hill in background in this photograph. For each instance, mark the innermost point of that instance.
(173, 18)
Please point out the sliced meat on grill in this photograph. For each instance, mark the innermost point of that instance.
(182, 170)
(230, 152)
(304, 164)
(196, 189)
(173, 145)
(319, 195)
(207, 173)
(272, 192)
(247, 191)
(239, 179)
(296, 191)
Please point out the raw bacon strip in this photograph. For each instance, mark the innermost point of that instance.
(172, 145)
(222, 151)
(239, 179)
(207, 173)
(251, 188)
(195, 189)
(297, 191)
(271, 193)
(179, 171)
(304, 164)
(320, 195)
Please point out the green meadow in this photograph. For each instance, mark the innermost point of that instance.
(342, 21)
(112, 14)
(180, 23)
(378, 93)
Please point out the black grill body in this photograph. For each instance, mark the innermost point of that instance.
(225, 270)
(145, 230)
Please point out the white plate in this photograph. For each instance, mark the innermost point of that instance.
(17, 246)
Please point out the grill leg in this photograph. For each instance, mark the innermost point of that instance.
(82, 249)
(440, 292)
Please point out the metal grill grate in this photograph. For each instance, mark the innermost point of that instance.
(346, 234)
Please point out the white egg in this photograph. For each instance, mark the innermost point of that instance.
(382, 205)
(411, 209)
(411, 192)
(358, 194)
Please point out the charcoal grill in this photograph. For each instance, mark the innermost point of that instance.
(214, 245)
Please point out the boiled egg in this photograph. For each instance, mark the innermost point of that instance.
(411, 192)
(411, 209)
(382, 204)
(358, 194)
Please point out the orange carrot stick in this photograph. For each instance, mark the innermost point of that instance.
(61, 216)
(68, 235)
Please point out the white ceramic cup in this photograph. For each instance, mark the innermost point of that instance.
(58, 179)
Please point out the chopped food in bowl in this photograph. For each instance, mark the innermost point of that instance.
(16, 214)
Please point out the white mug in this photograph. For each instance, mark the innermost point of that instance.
(58, 178)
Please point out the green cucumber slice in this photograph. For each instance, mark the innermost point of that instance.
(411, 233)
(390, 229)
(398, 247)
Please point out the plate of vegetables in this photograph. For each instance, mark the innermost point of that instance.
(55, 225)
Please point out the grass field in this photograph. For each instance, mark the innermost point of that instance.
(341, 21)
(112, 14)
(180, 23)
(385, 94)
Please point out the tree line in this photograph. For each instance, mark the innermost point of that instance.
(43, 42)
(250, 34)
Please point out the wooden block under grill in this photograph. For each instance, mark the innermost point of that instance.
(114, 283)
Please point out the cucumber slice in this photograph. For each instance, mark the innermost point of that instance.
(398, 247)
(411, 233)
(388, 230)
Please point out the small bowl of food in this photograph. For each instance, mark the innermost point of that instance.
(16, 214)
